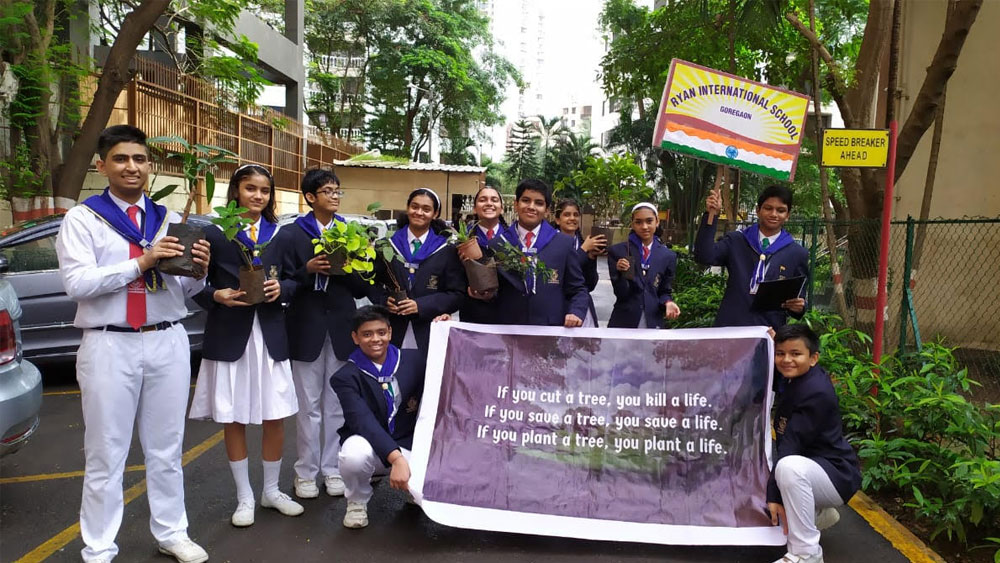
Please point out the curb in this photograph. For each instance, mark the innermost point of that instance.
(901, 538)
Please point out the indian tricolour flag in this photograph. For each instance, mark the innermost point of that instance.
(732, 121)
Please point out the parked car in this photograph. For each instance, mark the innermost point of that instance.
(20, 380)
(28, 255)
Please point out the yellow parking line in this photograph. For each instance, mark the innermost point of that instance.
(902, 539)
(50, 476)
(59, 541)
(77, 392)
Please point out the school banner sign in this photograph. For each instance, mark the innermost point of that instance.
(614, 434)
(730, 120)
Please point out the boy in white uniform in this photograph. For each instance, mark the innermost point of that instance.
(133, 365)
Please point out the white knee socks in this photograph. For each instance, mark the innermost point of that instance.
(241, 476)
(271, 471)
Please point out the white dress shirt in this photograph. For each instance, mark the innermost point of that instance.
(95, 268)
(521, 232)
(410, 237)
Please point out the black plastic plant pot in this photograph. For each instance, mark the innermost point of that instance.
(252, 282)
(184, 264)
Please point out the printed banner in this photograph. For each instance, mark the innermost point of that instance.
(657, 436)
(730, 120)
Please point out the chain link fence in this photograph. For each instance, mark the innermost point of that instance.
(943, 285)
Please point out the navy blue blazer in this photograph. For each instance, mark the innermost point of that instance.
(438, 287)
(310, 311)
(227, 329)
(590, 279)
(554, 298)
(647, 292)
(365, 412)
(807, 423)
(733, 252)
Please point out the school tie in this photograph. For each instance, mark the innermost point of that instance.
(135, 304)
(764, 244)
(253, 233)
(489, 234)
(528, 237)
(645, 253)
(416, 245)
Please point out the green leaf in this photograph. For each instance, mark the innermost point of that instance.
(209, 185)
(163, 192)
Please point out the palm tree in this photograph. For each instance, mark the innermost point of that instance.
(550, 133)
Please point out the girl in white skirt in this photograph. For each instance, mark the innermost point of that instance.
(245, 375)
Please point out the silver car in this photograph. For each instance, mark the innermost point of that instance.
(28, 255)
(20, 381)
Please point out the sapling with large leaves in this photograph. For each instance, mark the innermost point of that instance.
(196, 160)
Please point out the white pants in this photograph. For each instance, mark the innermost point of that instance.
(320, 415)
(805, 489)
(127, 379)
(358, 464)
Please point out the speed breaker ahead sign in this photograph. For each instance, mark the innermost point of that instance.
(863, 148)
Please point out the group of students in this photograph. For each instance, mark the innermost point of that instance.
(352, 377)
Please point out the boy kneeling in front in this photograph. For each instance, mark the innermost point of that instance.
(379, 388)
(815, 469)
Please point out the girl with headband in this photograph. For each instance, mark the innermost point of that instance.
(762, 252)
(429, 273)
(642, 270)
(245, 376)
(568, 222)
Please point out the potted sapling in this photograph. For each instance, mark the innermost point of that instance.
(525, 266)
(481, 271)
(196, 160)
(385, 251)
(349, 248)
(252, 276)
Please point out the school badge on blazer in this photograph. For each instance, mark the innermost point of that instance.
(781, 274)
(656, 280)
(554, 278)
(432, 282)
(412, 404)
(780, 426)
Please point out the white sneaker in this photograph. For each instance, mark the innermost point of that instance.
(282, 503)
(334, 485)
(357, 515)
(792, 558)
(243, 516)
(306, 488)
(827, 518)
(185, 551)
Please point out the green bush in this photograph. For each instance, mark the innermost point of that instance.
(697, 293)
(916, 432)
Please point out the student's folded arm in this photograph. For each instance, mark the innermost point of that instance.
(706, 249)
(664, 291)
(206, 297)
(575, 288)
(359, 416)
(589, 267)
(800, 429)
(621, 286)
(81, 276)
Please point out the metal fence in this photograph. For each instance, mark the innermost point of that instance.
(942, 285)
(165, 102)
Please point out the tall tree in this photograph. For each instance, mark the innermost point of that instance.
(55, 74)
(436, 68)
(549, 131)
(521, 157)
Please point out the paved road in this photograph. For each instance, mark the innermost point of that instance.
(40, 499)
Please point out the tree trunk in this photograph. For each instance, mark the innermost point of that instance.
(115, 75)
(957, 26)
